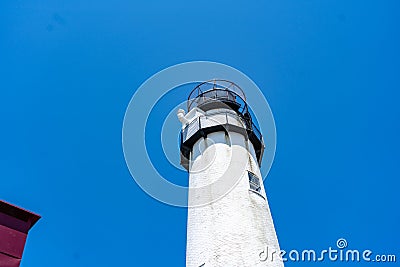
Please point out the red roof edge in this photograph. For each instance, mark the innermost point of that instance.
(12, 212)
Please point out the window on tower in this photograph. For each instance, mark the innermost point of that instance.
(254, 182)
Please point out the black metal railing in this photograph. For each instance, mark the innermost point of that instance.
(196, 125)
(212, 97)
(215, 90)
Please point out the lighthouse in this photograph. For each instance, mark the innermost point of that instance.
(229, 221)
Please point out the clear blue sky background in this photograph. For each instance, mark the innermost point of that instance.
(329, 69)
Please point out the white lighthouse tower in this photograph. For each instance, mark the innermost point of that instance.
(229, 220)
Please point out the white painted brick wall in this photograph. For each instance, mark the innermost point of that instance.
(233, 230)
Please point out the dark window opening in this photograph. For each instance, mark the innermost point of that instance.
(254, 182)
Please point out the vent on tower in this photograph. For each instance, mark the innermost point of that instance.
(254, 182)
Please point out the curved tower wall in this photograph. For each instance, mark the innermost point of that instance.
(226, 227)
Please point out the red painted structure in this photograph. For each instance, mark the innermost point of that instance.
(14, 226)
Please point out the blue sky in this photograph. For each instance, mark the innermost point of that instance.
(329, 69)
